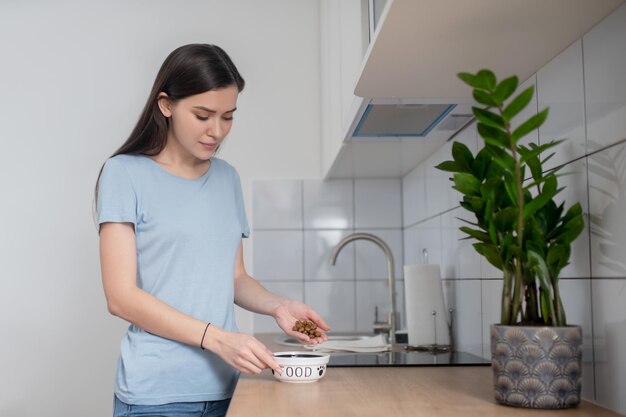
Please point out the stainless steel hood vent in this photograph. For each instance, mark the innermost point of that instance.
(400, 120)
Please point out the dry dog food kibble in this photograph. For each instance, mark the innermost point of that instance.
(307, 327)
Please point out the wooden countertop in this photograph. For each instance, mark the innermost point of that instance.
(397, 391)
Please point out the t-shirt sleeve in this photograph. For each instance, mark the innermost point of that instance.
(117, 201)
(241, 210)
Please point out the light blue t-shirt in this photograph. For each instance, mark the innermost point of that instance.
(187, 234)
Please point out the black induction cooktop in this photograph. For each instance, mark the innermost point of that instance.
(405, 358)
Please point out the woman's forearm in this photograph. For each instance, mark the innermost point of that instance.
(252, 296)
(154, 316)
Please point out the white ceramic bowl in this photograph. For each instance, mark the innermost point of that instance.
(301, 366)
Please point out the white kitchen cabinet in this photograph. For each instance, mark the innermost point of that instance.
(344, 31)
(418, 48)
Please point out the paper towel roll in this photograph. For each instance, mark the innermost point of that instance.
(424, 294)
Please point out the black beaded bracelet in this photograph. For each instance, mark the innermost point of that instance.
(204, 334)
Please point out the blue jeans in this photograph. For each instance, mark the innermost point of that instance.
(191, 409)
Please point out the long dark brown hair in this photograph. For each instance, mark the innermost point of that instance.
(188, 70)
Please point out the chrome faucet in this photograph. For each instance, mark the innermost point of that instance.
(390, 325)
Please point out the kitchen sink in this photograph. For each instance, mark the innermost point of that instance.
(290, 341)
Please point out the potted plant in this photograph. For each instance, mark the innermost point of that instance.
(521, 230)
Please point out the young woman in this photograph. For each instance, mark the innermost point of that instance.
(171, 218)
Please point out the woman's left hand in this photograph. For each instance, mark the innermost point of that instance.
(290, 311)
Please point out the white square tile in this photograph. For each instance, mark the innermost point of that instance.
(416, 241)
(291, 290)
(328, 204)
(437, 184)
(604, 51)
(277, 204)
(487, 270)
(560, 87)
(410, 246)
(468, 261)
(491, 298)
(318, 246)
(378, 203)
(607, 199)
(414, 196)
(428, 239)
(371, 262)
(334, 301)
(278, 255)
(370, 294)
(576, 299)
(449, 245)
(465, 298)
(609, 327)
(574, 179)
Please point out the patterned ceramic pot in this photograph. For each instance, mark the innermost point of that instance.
(536, 367)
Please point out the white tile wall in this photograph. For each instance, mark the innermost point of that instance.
(574, 179)
(378, 203)
(371, 294)
(609, 327)
(318, 246)
(335, 301)
(278, 255)
(576, 298)
(607, 199)
(328, 204)
(491, 295)
(605, 81)
(371, 262)
(277, 204)
(414, 196)
(561, 88)
(467, 261)
(296, 261)
(461, 295)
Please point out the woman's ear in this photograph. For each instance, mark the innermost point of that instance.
(164, 104)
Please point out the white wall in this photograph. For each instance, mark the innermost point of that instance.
(74, 77)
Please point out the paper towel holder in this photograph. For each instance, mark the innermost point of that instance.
(435, 348)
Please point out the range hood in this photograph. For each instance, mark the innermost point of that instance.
(389, 137)
(390, 119)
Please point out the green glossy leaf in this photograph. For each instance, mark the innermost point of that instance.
(478, 204)
(466, 183)
(498, 135)
(557, 258)
(467, 78)
(490, 253)
(505, 88)
(510, 185)
(481, 164)
(549, 190)
(539, 267)
(476, 234)
(485, 98)
(505, 219)
(462, 156)
(531, 124)
(502, 159)
(536, 150)
(449, 166)
(518, 103)
(486, 79)
(488, 118)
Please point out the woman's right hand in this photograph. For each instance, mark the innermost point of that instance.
(241, 351)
